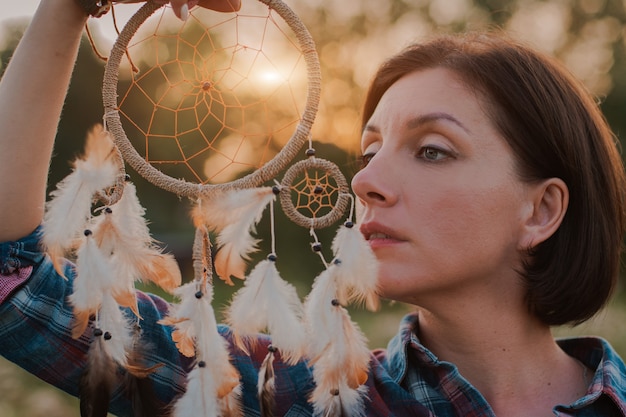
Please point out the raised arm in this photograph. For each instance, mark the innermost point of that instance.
(32, 92)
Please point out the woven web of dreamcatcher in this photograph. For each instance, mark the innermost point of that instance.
(210, 100)
(220, 101)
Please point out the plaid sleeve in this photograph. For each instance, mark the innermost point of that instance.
(36, 322)
(16, 262)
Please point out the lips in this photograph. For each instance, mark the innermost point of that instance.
(374, 231)
(378, 236)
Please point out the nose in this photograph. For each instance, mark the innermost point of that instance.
(371, 184)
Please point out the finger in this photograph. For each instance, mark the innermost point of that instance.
(221, 5)
(180, 9)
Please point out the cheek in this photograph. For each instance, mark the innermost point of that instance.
(472, 219)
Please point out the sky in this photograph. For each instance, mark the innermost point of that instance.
(18, 9)
(102, 28)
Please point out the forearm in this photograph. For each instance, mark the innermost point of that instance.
(32, 92)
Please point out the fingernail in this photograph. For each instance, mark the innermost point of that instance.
(184, 12)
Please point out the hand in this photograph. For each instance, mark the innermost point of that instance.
(181, 7)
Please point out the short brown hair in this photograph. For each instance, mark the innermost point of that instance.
(555, 129)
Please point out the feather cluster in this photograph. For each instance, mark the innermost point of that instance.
(233, 215)
(357, 268)
(70, 206)
(118, 251)
(213, 385)
(113, 250)
(337, 349)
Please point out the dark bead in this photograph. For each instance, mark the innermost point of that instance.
(107, 336)
(318, 190)
(335, 302)
(337, 261)
(126, 177)
(272, 349)
(201, 364)
(276, 189)
(108, 210)
(310, 152)
(334, 391)
(349, 224)
(87, 232)
(199, 295)
(317, 247)
(97, 332)
(272, 257)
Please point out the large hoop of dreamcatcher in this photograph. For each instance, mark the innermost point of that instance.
(95, 213)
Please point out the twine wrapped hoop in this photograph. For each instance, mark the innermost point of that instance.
(185, 188)
(338, 208)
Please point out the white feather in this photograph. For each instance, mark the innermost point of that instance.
(70, 207)
(235, 244)
(66, 215)
(226, 207)
(195, 319)
(234, 215)
(347, 355)
(123, 233)
(348, 402)
(268, 302)
(318, 312)
(336, 348)
(93, 276)
(108, 237)
(128, 215)
(200, 398)
(358, 268)
(112, 320)
(245, 314)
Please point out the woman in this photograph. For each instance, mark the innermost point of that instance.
(492, 195)
(485, 206)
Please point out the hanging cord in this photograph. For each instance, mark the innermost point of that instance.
(95, 49)
(317, 247)
(276, 189)
(352, 206)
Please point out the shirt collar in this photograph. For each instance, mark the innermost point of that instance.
(397, 349)
(610, 372)
(594, 352)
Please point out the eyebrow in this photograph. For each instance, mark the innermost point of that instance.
(424, 119)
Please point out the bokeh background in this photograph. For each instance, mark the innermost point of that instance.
(352, 37)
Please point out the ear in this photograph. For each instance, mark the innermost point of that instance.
(549, 200)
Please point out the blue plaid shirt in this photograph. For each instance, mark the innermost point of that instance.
(405, 379)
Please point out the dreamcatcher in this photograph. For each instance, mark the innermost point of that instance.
(214, 110)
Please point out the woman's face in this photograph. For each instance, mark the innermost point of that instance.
(442, 204)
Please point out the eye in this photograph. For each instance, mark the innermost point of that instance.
(433, 154)
(366, 158)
